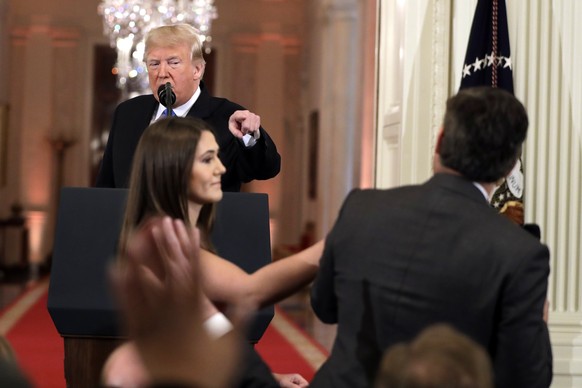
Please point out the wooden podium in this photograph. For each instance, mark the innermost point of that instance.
(80, 301)
(85, 357)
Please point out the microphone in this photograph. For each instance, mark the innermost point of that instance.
(167, 97)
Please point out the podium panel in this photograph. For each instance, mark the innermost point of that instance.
(88, 225)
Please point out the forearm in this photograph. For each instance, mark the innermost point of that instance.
(105, 173)
(271, 165)
(225, 283)
(323, 297)
(263, 158)
(277, 282)
(323, 300)
(284, 277)
(523, 354)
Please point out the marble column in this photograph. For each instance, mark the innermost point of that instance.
(339, 137)
(264, 61)
(43, 75)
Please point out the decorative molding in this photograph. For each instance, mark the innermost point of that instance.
(441, 43)
(250, 43)
(341, 9)
(60, 36)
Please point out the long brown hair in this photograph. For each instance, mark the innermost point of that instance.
(160, 175)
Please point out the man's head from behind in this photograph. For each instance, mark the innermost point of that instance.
(482, 135)
(439, 357)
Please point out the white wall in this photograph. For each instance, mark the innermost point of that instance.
(413, 87)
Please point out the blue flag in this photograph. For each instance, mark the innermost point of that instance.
(488, 63)
(488, 57)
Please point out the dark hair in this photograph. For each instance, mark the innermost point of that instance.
(160, 174)
(483, 131)
(439, 357)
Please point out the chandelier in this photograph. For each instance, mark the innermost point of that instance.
(126, 23)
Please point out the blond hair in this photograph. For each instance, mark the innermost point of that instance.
(175, 35)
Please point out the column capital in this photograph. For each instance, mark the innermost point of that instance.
(41, 25)
(252, 41)
(341, 9)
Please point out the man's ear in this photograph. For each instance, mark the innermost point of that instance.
(436, 157)
(199, 70)
(437, 147)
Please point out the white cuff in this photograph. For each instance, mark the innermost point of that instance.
(250, 140)
(217, 325)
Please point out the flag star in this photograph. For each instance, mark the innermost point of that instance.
(501, 196)
(466, 71)
(490, 59)
(507, 62)
(496, 204)
(499, 60)
(477, 64)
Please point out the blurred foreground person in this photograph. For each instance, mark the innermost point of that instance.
(159, 289)
(11, 375)
(439, 356)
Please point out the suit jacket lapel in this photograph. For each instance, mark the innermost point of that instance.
(202, 108)
(129, 133)
(147, 119)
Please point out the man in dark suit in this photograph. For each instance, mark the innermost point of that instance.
(174, 54)
(399, 260)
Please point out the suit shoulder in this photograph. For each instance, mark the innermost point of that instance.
(370, 194)
(138, 102)
(372, 198)
(388, 191)
(510, 237)
(220, 103)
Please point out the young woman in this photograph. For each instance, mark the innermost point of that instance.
(176, 172)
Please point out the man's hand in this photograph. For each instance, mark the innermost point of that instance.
(243, 122)
(292, 380)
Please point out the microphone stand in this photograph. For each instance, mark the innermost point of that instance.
(168, 98)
